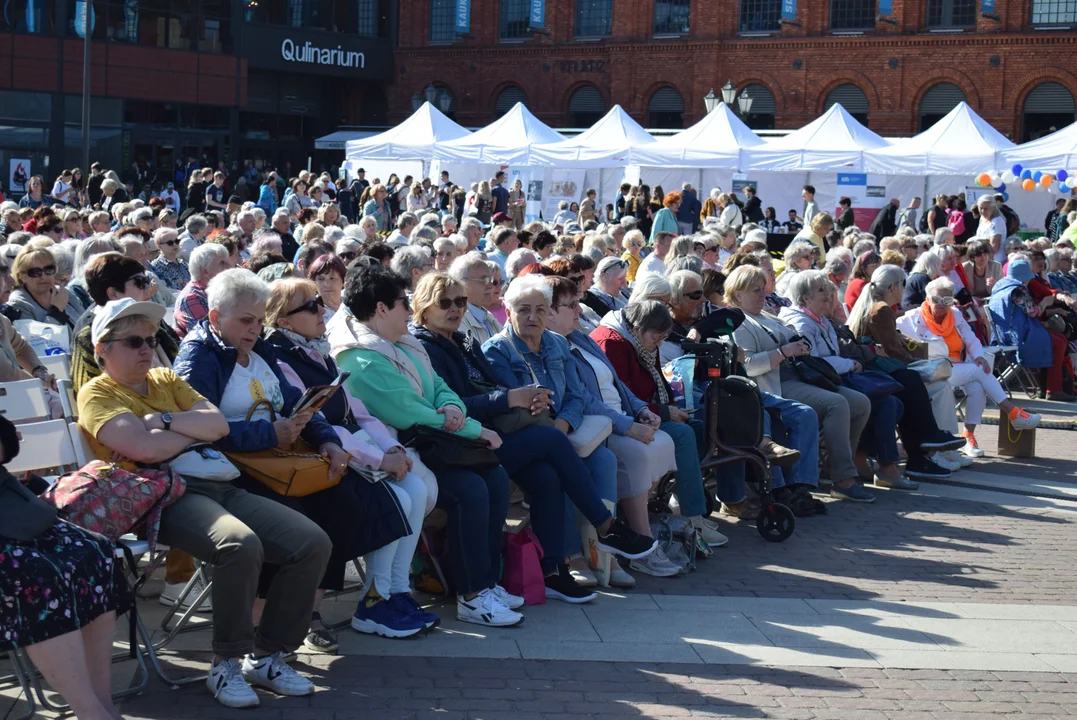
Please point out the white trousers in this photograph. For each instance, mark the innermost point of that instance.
(978, 386)
(388, 567)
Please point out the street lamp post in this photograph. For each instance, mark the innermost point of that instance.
(431, 93)
(416, 102)
(745, 102)
(710, 101)
(729, 93)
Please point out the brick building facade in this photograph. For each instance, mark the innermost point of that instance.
(658, 59)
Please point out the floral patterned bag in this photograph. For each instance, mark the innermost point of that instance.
(111, 501)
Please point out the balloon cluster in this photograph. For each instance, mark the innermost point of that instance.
(1056, 183)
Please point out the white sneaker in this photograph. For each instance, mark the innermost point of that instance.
(657, 565)
(621, 579)
(225, 681)
(512, 602)
(1025, 420)
(274, 674)
(352, 576)
(708, 530)
(957, 457)
(971, 448)
(944, 462)
(584, 578)
(486, 609)
(172, 592)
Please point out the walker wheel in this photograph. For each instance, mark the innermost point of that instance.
(775, 522)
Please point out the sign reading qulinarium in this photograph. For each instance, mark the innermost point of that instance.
(307, 53)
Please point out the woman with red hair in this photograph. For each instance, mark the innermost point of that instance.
(665, 220)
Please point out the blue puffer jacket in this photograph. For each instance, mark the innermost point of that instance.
(447, 359)
(206, 363)
(1011, 326)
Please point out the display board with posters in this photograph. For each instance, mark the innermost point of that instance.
(867, 193)
(19, 175)
(561, 185)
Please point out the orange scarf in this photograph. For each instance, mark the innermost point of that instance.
(947, 330)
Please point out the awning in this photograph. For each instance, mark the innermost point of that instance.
(337, 140)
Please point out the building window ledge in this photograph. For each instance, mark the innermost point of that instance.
(758, 34)
(441, 43)
(947, 31)
(513, 41)
(1051, 28)
(589, 39)
(848, 33)
(667, 36)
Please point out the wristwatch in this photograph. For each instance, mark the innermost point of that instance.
(166, 418)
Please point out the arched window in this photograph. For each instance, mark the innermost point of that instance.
(852, 98)
(1048, 107)
(763, 107)
(507, 98)
(666, 109)
(938, 101)
(585, 107)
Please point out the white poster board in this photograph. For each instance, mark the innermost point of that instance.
(561, 185)
(19, 175)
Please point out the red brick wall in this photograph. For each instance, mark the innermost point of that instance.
(478, 66)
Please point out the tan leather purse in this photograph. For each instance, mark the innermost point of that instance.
(292, 472)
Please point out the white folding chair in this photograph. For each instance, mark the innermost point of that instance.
(58, 365)
(45, 445)
(66, 390)
(23, 400)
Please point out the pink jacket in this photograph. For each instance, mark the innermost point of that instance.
(364, 452)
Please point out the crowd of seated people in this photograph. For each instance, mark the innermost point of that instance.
(513, 339)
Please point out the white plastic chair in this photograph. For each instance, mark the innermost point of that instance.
(58, 365)
(23, 400)
(44, 445)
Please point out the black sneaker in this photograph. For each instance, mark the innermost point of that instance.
(561, 586)
(943, 442)
(924, 468)
(626, 542)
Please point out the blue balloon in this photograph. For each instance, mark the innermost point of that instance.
(1005, 197)
(1062, 175)
(1002, 188)
(1016, 170)
(1026, 174)
(1036, 176)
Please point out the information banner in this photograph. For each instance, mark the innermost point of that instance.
(19, 175)
(886, 8)
(789, 9)
(463, 16)
(868, 195)
(538, 13)
(564, 185)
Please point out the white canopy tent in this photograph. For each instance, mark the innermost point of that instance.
(961, 142)
(606, 144)
(508, 141)
(834, 142)
(1051, 153)
(414, 139)
(716, 141)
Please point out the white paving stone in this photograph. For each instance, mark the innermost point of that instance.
(960, 660)
(739, 654)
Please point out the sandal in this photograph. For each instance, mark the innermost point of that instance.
(744, 510)
(321, 640)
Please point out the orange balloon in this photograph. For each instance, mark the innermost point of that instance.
(1046, 180)
(1029, 184)
(983, 179)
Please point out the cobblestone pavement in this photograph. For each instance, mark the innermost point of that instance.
(453, 689)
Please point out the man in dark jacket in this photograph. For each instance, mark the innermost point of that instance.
(688, 212)
(500, 193)
(885, 223)
(847, 217)
(753, 206)
(93, 185)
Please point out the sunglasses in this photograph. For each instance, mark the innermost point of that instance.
(314, 307)
(38, 272)
(947, 301)
(169, 243)
(446, 303)
(347, 257)
(141, 281)
(694, 295)
(404, 300)
(135, 342)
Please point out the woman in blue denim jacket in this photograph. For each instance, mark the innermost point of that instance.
(526, 353)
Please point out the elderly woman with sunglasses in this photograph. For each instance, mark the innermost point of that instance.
(296, 328)
(36, 295)
(539, 458)
(168, 266)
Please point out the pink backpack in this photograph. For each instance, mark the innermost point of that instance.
(956, 222)
(111, 501)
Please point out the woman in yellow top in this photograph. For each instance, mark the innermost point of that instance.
(632, 243)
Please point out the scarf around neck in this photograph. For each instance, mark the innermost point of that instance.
(318, 345)
(647, 358)
(947, 330)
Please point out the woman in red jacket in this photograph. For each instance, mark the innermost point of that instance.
(631, 338)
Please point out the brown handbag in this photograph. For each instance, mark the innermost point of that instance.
(292, 472)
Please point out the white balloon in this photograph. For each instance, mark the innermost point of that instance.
(1008, 177)
(996, 181)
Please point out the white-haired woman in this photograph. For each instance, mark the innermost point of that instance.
(445, 252)
(799, 256)
(478, 279)
(605, 295)
(651, 287)
(86, 250)
(680, 247)
(938, 320)
(410, 262)
(207, 261)
(928, 267)
(168, 266)
(518, 259)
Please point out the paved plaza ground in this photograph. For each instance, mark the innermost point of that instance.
(957, 601)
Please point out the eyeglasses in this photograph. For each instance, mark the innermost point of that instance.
(694, 295)
(496, 282)
(484, 279)
(571, 305)
(314, 307)
(141, 281)
(135, 342)
(446, 303)
(347, 257)
(947, 301)
(38, 272)
(403, 299)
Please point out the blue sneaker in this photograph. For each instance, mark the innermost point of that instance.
(854, 493)
(377, 616)
(405, 604)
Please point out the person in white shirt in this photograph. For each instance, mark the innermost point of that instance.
(992, 228)
(61, 191)
(811, 209)
(653, 264)
(171, 197)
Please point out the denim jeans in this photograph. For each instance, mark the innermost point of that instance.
(542, 462)
(688, 439)
(801, 433)
(886, 412)
(601, 468)
(477, 504)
